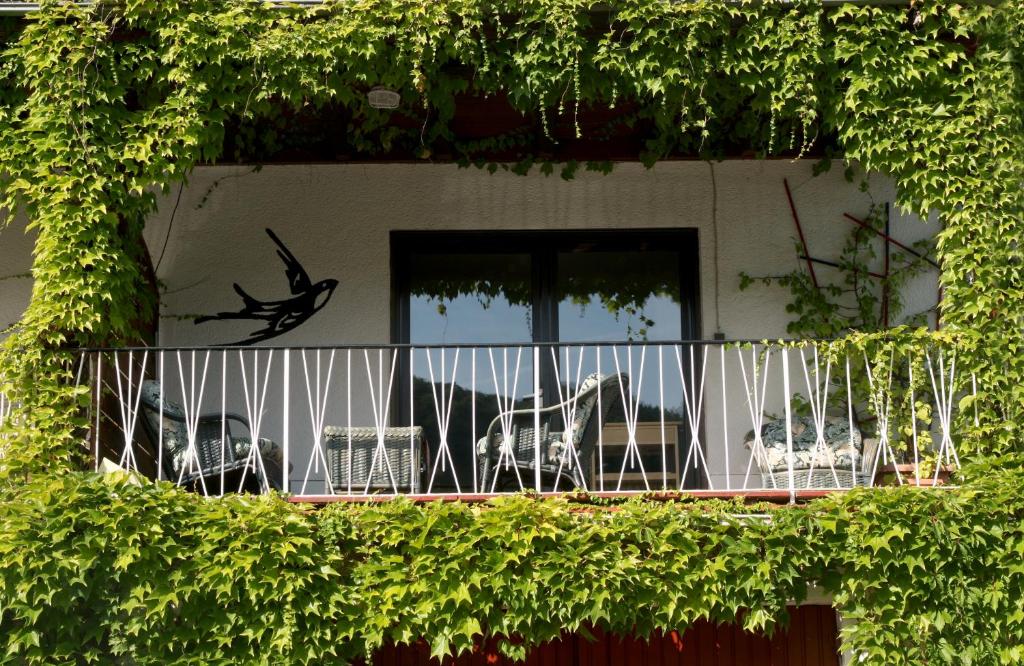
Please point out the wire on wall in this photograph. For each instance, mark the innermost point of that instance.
(719, 334)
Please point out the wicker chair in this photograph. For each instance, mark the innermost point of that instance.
(209, 447)
(350, 455)
(812, 466)
(504, 464)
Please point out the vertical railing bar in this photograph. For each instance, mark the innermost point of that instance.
(943, 423)
(195, 422)
(849, 416)
(414, 484)
(913, 421)
(320, 399)
(472, 421)
(138, 401)
(249, 407)
(448, 415)
(223, 417)
(160, 421)
(536, 419)
(121, 406)
(311, 403)
(376, 410)
(328, 481)
(254, 449)
(348, 399)
(99, 408)
(318, 454)
(789, 423)
(949, 415)
(600, 425)
(386, 403)
(286, 416)
(700, 412)
(441, 408)
(888, 412)
(725, 423)
(661, 417)
(195, 418)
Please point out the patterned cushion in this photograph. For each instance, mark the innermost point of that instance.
(269, 450)
(584, 406)
(837, 450)
(175, 437)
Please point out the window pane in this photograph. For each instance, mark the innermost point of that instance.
(482, 298)
(616, 296)
(467, 298)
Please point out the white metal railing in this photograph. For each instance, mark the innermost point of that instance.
(352, 421)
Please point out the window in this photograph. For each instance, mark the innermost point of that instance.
(515, 288)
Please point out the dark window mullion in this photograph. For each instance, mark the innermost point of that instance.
(545, 317)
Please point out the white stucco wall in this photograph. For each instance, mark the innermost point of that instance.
(15, 264)
(337, 220)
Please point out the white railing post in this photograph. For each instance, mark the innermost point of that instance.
(600, 422)
(536, 419)
(99, 408)
(789, 423)
(913, 421)
(160, 424)
(472, 420)
(725, 424)
(286, 435)
(223, 418)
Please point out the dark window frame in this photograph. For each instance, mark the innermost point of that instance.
(543, 247)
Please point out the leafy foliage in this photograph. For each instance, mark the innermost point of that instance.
(101, 570)
(860, 300)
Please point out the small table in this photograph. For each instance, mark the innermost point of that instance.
(352, 451)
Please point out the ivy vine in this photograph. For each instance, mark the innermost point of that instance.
(103, 570)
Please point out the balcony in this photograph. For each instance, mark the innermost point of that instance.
(778, 421)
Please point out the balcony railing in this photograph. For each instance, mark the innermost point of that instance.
(718, 417)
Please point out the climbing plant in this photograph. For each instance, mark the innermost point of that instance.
(100, 570)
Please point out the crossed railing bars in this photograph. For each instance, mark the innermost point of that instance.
(352, 421)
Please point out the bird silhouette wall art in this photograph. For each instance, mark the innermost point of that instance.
(279, 317)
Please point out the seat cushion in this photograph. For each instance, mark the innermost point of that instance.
(840, 450)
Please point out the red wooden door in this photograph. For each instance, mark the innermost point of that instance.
(811, 640)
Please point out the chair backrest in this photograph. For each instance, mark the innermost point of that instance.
(585, 426)
(171, 418)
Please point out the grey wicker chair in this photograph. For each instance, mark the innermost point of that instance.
(503, 465)
(211, 451)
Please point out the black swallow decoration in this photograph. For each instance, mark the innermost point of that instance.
(284, 315)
